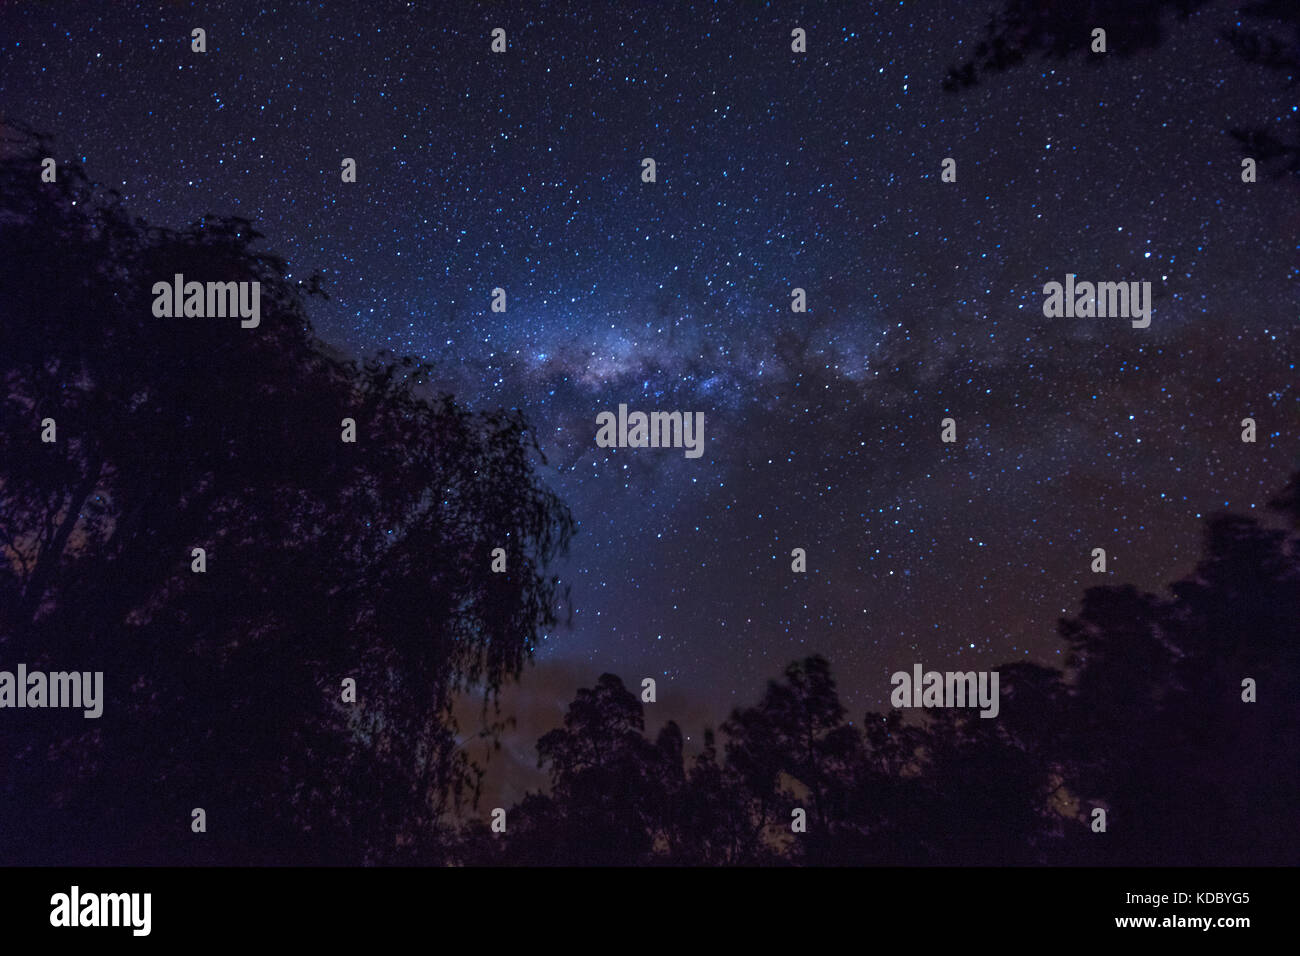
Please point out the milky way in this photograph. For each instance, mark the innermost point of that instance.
(775, 170)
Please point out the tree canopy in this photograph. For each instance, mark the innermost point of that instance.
(325, 560)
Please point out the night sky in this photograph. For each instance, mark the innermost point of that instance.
(775, 170)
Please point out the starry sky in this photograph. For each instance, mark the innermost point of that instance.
(775, 170)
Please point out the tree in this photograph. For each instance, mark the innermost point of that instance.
(1147, 722)
(1191, 773)
(610, 786)
(794, 750)
(1265, 33)
(325, 560)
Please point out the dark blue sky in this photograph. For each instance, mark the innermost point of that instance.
(775, 170)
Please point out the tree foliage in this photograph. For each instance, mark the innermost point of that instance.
(325, 560)
(1147, 722)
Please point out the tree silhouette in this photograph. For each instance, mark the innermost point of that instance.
(1147, 722)
(1192, 773)
(794, 750)
(1265, 33)
(325, 560)
(612, 790)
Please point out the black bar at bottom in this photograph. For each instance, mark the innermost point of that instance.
(442, 906)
